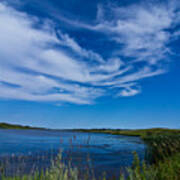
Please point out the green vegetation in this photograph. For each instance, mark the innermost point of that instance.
(143, 133)
(162, 156)
(58, 171)
(168, 169)
(162, 160)
(14, 126)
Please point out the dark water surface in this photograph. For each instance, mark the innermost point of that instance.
(25, 150)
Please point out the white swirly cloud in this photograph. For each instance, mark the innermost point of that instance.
(40, 62)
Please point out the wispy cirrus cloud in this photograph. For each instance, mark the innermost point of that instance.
(143, 31)
(41, 63)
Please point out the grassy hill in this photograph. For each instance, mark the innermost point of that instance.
(15, 126)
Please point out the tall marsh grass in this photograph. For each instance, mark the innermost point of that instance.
(161, 146)
(57, 171)
(162, 159)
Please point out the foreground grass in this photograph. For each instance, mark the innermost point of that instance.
(169, 169)
(162, 160)
(58, 171)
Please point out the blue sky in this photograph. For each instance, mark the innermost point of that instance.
(93, 64)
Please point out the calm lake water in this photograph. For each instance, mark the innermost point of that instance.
(27, 149)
